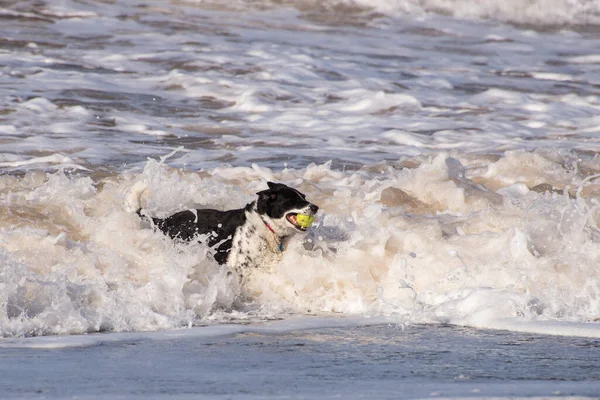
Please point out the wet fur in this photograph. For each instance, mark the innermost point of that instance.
(240, 238)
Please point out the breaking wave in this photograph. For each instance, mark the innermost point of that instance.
(482, 241)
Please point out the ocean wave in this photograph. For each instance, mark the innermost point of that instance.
(478, 241)
(536, 12)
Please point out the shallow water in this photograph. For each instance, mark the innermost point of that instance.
(378, 361)
(452, 153)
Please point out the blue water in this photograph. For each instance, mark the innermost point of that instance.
(380, 361)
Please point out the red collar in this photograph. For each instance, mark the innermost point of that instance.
(281, 248)
(269, 226)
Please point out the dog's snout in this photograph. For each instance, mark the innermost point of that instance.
(313, 208)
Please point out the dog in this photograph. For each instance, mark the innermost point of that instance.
(249, 237)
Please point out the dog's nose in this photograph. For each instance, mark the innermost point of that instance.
(313, 208)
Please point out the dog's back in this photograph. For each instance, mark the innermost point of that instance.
(217, 227)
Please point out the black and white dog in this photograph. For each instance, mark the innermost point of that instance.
(248, 237)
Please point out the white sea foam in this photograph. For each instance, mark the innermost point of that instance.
(437, 242)
(543, 12)
(54, 159)
(537, 12)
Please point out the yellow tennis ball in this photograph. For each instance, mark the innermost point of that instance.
(304, 220)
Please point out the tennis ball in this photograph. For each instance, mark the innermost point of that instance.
(304, 220)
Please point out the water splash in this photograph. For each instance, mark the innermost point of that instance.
(442, 239)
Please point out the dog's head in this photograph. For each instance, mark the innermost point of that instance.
(280, 206)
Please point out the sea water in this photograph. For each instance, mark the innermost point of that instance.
(339, 359)
(451, 147)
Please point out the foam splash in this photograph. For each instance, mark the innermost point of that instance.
(453, 238)
(75, 262)
(536, 12)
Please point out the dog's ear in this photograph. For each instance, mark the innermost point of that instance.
(263, 199)
(267, 195)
